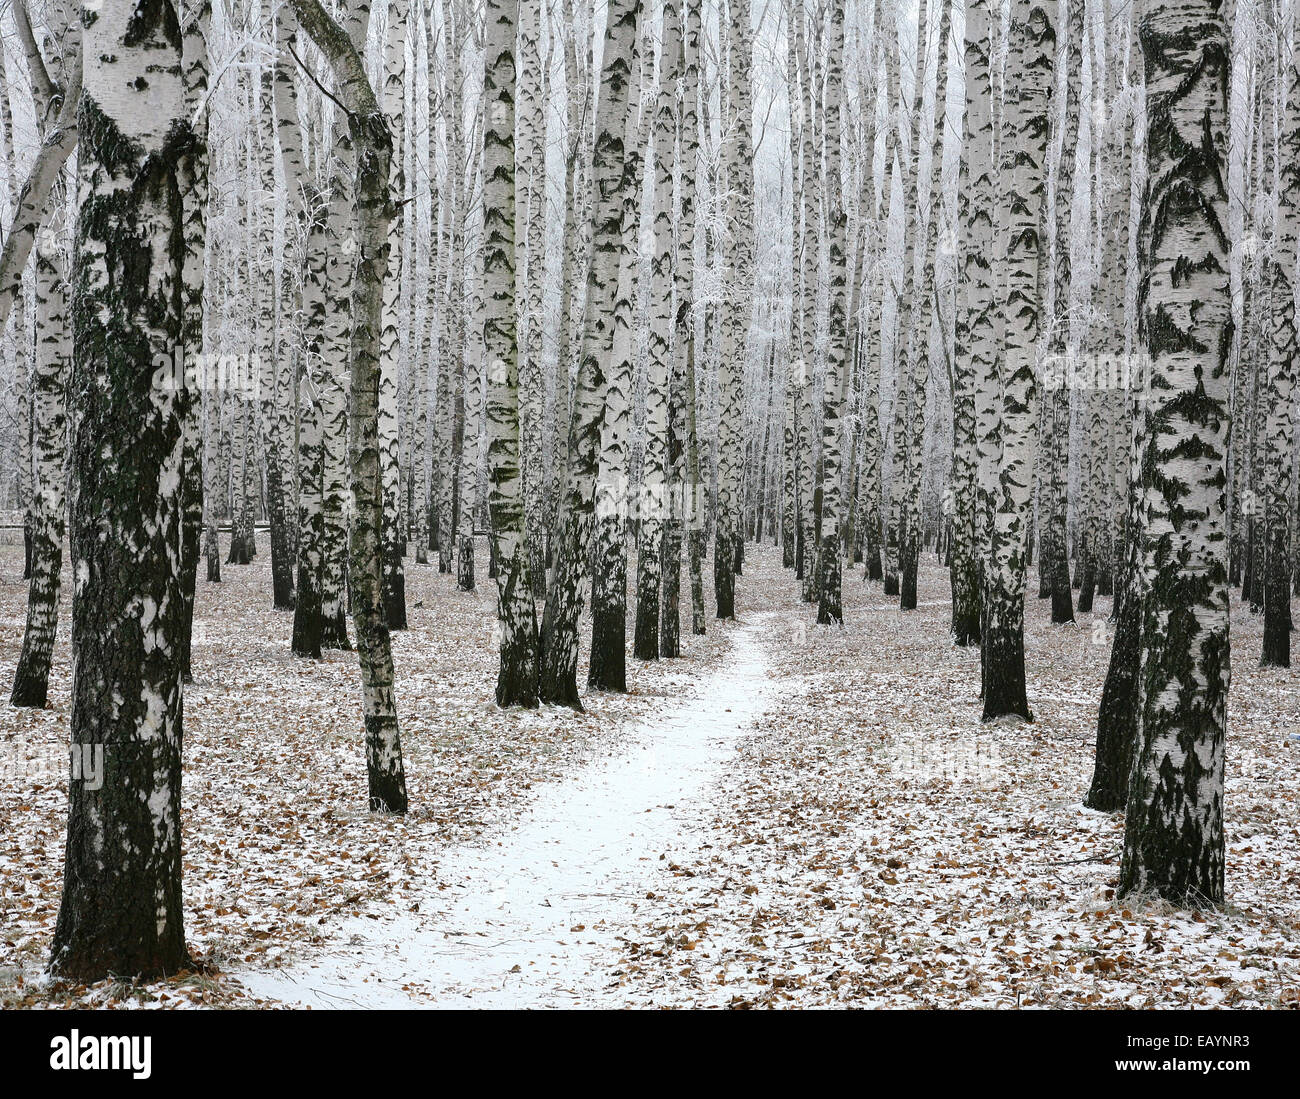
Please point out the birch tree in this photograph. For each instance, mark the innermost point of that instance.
(120, 910)
(829, 607)
(564, 595)
(1173, 836)
(654, 478)
(1024, 158)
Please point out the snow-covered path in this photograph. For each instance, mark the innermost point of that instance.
(531, 917)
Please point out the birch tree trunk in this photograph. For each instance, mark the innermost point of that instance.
(517, 674)
(121, 906)
(929, 297)
(608, 668)
(49, 433)
(1055, 551)
(194, 50)
(729, 529)
(394, 104)
(974, 356)
(374, 210)
(533, 87)
(806, 534)
(1024, 158)
(1281, 377)
(1173, 836)
(693, 512)
(654, 477)
(564, 596)
(829, 607)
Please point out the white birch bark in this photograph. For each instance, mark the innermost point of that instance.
(1173, 839)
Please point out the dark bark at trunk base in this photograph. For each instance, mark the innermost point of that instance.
(1088, 584)
(395, 598)
(1276, 652)
(334, 632)
(387, 788)
(907, 586)
(1004, 674)
(1117, 717)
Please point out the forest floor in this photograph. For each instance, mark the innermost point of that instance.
(789, 815)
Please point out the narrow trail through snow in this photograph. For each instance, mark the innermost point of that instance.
(530, 916)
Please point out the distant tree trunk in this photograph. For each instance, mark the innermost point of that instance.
(471, 407)
(194, 52)
(451, 391)
(829, 606)
(1281, 379)
(271, 396)
(806, 479)
(533, 88)
(1057, 412)
(394, 537)
(739, 154)
(31, 678)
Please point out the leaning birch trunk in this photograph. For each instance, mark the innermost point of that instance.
(829, 609)
(654, 499)
(373, 145)
(517, 672)
(1024, 156)
(121, 906)
(34, 197)
(1173, 836)
(564, 596)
